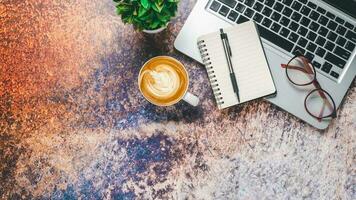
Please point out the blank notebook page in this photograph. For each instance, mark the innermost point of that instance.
(251, 69)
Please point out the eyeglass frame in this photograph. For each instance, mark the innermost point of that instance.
(314, 81)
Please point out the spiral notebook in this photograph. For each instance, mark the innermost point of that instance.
(251, 69)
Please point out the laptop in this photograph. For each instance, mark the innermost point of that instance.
(324, 31)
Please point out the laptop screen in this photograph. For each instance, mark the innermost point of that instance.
(348, 6)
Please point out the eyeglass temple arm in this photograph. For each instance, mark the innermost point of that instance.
(306, 65)
(306, 62)
(296, 68)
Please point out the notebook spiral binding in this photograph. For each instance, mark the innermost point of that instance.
(211, 74)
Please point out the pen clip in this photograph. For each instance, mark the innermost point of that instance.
(222, 34)
(224, 37)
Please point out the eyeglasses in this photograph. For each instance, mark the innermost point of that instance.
(301, 72)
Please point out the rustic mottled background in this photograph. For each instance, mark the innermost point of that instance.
(73, 124)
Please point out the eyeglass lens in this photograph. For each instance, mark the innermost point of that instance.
(300, 71)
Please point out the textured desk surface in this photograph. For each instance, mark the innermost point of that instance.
(74, 125)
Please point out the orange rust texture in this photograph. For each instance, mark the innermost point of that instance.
(48, 47)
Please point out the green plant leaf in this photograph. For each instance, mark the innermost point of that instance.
(159, 7)
(121, 8)
(154, 25)
(142, 11)
(145, 3)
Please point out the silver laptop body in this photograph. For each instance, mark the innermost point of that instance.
(289, 97)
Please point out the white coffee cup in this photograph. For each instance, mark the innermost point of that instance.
(160, 73)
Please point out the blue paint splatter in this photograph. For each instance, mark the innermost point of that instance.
(68, 194)
(157, 151)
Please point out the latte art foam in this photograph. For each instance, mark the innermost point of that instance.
(163, 81)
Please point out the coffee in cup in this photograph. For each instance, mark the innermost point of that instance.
(164, 81)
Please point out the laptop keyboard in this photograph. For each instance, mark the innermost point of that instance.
(325, 39)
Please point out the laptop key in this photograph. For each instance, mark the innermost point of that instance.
(296, 16)
(266, 22)
(293, 37)
(323, 20)
(335, 60)
(258, 6)
(351, 35)
(278, 7)
(215, 6)
(314, 15)
(258, 17)
(224, 10)
(230, 3)
(311, 36)
(349, 25)
(329, 46)
(314, 26)
(350, 46)
(321, 10)
(267, 11)
(242, 19)
(305, 21)
(330, 15)
(320, 52)
(287, 2)
(323, 31)
(332, 36)
(342, 53)
(320, 41)
(332, 25)
(302, 31)
(284, 21)
(296, 5)
(334, 74)
(240, 8)
(284, 32)
(326, 67)
(293, 26)
(269, 2)
(276, 16)
(287, 11)
(249, 2)
(232, 15)
(275, 27)
(341, 41)
(302, 42)
(275, 39)
(311, 47)
(341, 30)
(249, 13)
(316, 64)
(312, 5)
(339, 20)
(305, 10)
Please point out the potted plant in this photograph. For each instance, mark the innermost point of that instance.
(150, 16)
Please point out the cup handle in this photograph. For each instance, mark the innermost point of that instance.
(191, 99)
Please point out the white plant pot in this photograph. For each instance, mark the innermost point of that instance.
(155, 31)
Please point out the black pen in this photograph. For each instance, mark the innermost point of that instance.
(228, 55)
